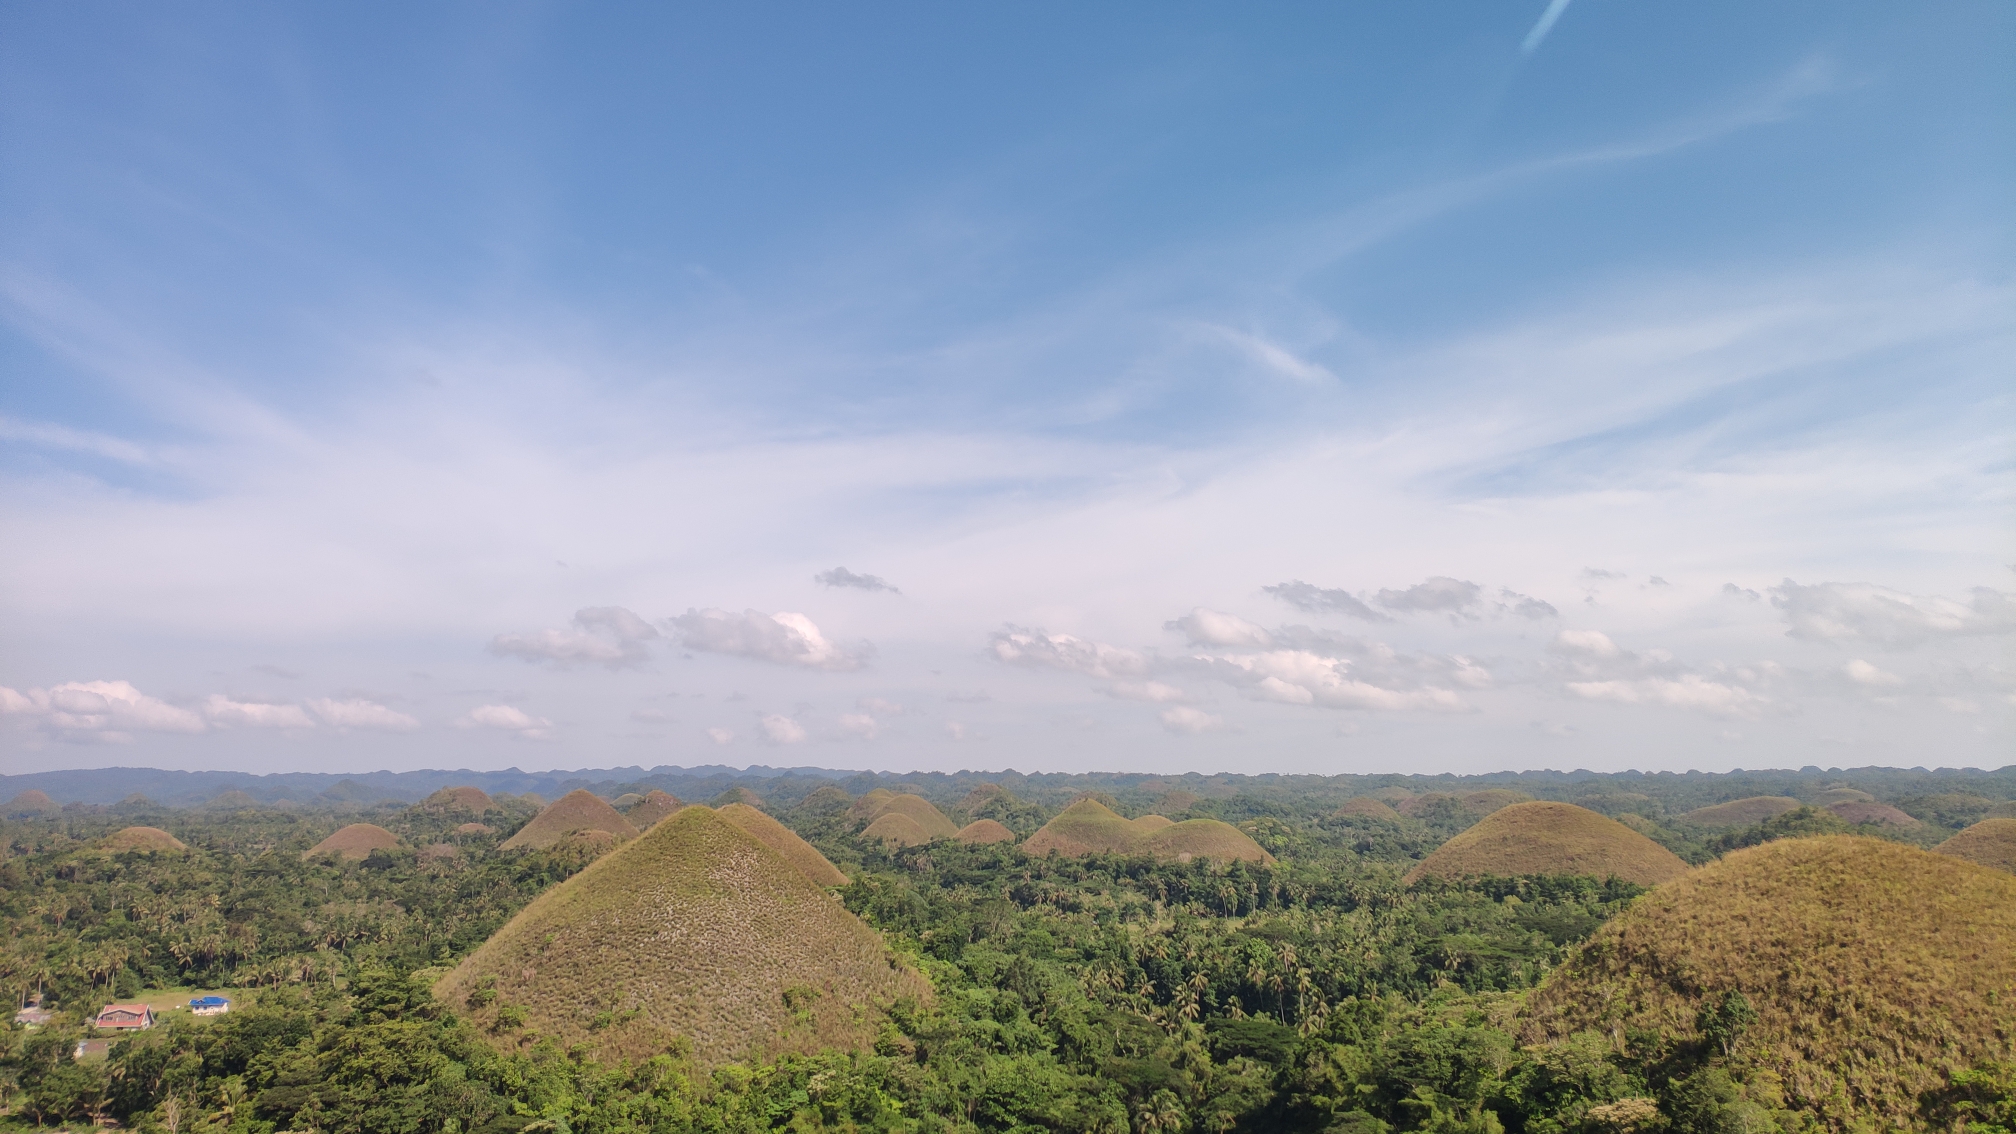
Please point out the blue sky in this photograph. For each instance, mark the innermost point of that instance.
(491, 385)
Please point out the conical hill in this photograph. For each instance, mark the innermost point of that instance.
(897, 830)
(578, 810)
(1090, 827)
(1551, 838)
(1365, 807)
(654, 806)
(1875, 971)
(34, 801)
(156, 839)
(466, 798)
(697, 931)
(1149, 824)
(1991, 842)
(870, 803)
(921, 810)
(1205, 838)
(1086, 827)
(1741, 812)
(984, 831)
(786, 842)
(357, 840)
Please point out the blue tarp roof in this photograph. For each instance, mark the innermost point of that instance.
(206, 1001)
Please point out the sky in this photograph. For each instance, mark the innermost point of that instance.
(1176, 387)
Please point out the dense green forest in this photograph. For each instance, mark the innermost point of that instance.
(1100, 993)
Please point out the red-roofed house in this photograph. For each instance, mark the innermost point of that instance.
(126, 1017)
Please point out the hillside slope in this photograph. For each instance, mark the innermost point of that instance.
(578, 810)
(1551, 838)
(696, 931)
(1741, 812)
(1991, 842)
(1875, 970)
(786, 842)
(357, 840)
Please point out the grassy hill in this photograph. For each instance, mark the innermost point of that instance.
(1991, 842)
(1875, 970)
(870, 803)
(1843, 795)
(1741, 812)
(471, 799)
(357, 840)
(1149, 824)
(984, 831)
(654, 806)
(920, 810)
(784, 841)
(142, 839)
(34, 801)
(1205, 838)
(1086, 827)
(1551, 838)
(696, 931)
(1863, 811)
(1090, 827)
(896, 829)
(576, 811)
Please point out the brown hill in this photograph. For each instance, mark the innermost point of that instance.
(141, 839)
(473, 800)
(1366, 807)
(1991, 842)
(928, 817)
(1149, 824)
(654, 806)
(1741, 812)
(357, 840)
(736, 795)
(1086, 827)
(984, 831)
(826, 799)
(697, 932)
(869, 803)
(473, 829)
(1874, 969)
(784, 841)
(1843, 795)
(578, 810)
(1205, 838)
(896, 829)
(31, 802)
(626, 801)
(1880, 813)
(1551, 838)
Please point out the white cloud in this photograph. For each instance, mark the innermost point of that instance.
(1689, 691)
(508, 719)
(1184, 719)
(1018, 646)
(224, 712)
(1439, 595)
(1845, 612)
(1153, 691)
(784, 638)
(842, 577)
(608, 636)
(1586, 643)
(1212, 628)
(1299, 677)
(1862, 673)
(860, 725)
(105, 711)
(1319, 600)
(879, 707)
(780, 729)
(360, 713)
(721, 735)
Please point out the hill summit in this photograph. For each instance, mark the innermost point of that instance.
(357, 840)
(696, 932)
(156, 839)
(1551, 838)
(1874, 971)
(786, 842)
(578, 810)
(1991, 842)
(1090, 827)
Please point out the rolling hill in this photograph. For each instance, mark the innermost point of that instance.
(357, 840)
(920, 810)
(1741, 812)
(1875, 970)
(1205, 838)
(1364, 806)
(696, 932)
(784, 841)
(1551, 838)
(1090, 827)
(984, 831)
(654, 806)
(1862, 811)
(1086, 827)
(470, 799)
(31, 802)
(1991, 842)
(897, 830)
(141, 839)
(578, 810)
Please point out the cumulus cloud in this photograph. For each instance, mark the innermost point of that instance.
(1440, 594)
(224, 712)
(1299, 677)
(507, 719)
(721, 735)
(784, 638)
(1688, 691)
(859, 725)
(1212, 628)
(1526, 606)
(1585, 643)
(1320, 600)
(1864, 674)
(1153, 691)
(608, 636)
(1189, 721)
(780, 729)
(105, 711)
(1018, 646)
(1863, 612)
(360, 713)
(842, 577)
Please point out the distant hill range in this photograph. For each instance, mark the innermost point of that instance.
(1171, 795)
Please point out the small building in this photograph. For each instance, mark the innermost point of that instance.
(125, 1017)
(33, 1016)
(210, 1005)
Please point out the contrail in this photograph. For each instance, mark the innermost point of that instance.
(1546, 24)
